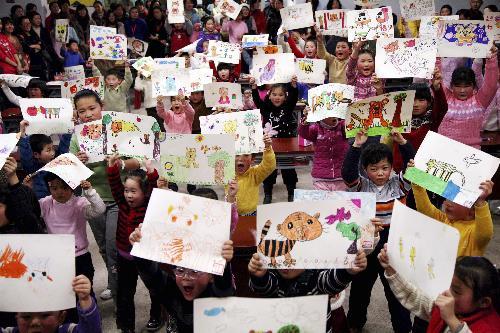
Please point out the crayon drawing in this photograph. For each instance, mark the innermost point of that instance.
(137, 46)
(369, 24)
(185, 230)
(269, 49)
(131, 135)
(171, 82)
(249, 41)
(329, 100)
(380, 114)
(492, 20)
(414, 10)
(310, 70)
(305, 314)
(451, 169)
(7, 144)
(463, 39)
(101, 30)
(229, 8)
(429, 25)
(70, 88)
(245, 126)
(108, 47)
(69, 168)
(90, 140)
(61, 30)
(175, 11)
(273, 68)
(36, 272)
(170, 63)
(289, 235)
(145, 66)
(220, 51)
(74, 73)
(297, 16)
(199, 78)
(424, 251)
(223, 94)
(331, 22)
(47, 115)
(200, 159)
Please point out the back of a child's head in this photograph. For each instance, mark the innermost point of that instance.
(205, 192)
(141, 177)
(38, 142)
(422, 91)
(463, 76)
(373, 153)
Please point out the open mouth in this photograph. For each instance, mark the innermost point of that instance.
(240, 167)
(188, 290)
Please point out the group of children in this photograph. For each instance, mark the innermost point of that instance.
(115, 198)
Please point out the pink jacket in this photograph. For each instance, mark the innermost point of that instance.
(180, 123)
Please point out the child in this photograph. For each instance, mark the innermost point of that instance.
(132, 198)
(208, 33)
(52, 321)
(197, 101)
(337, 64)
(248, 103)
(466, 107)
(225, 72)
(249, 177)
(330, 147)
(143, 84)
(71, 54)
(65, 213)
(36, 89)
(310, 48)
(361, 73)
(470, 305)
(376, 161)
(235, 28)
(180, 118)
(277, 109)
(179, 36)
(116, 88)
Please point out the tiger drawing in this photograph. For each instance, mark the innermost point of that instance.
(298, 226)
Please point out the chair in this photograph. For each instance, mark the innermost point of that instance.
(11, 119)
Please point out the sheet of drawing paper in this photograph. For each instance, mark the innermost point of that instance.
(200, 159)
(131, 135)
(297, 16)
(47, 115)
(171, 82)
(223, 94)
(329, 100)
(305, 314)
(310, 70)
(189, 48)
(74, 72)
(245, 126)
(367, 2)
(422, 250)
(145, 66)
(451, 169)
(200, 77)
(492, 20)
(37, 272)
(108, 47)
(7, 144)
(331, 22)
(70, 88)
(224, 52)
(415, 9)
(185, 230)
(405, 57)
(379, 114)
(16, 81)
(137, 46)
(90, 140)
(294, 234)
(175, 11)
(61, 31)
(429, 25)
(269, 49)
(101, 30)
(170, 63)
(69, 168)
(249, 41)
(469, 39)
(199, 60)
(229, 8)
(369, 24)
(273, 68)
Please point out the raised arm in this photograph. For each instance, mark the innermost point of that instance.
(424, 205)
(115, 182)
(488, 91)
(127, 81)
(26, 155)
(64, 142)
(266, 285)
(223, 285)
(256, 98)
(322, 52)
(333, 281)
(308, 131)
(295, 50)
(13, 98)
(439, 107)
(96, 206)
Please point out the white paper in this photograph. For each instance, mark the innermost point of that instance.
(7, 144)
(90, 140)
(429, 25)
(61, 30)
(184, 230)
(47, 115)
(69, 168)
(137, 46)
(199, 60)
(331, 22)
(492, 20)
(273, 68)
(229, 8)
(189, 48)
(224, 52)
(199, 78)
(171, 82)
(457, 39)
(101, 30)
(16, 81)
(369, 24)
(223, 94)
(108, 47)
(24, 286)
(170, 63)
(415, 9)
(367, 2)
(175, 11)
(422, 250)
(74, 73)
(70, 88)
(269, 49)
(297, 16)
(310, 70)
(249, 41)
(239, 314)
(329, 100)
(145, 66)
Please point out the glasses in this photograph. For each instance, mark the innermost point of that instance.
(187, 273)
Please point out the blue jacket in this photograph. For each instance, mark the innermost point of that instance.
(72, 58)
(136, 28)
(30, 164)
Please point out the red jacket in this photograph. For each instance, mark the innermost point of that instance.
(485, 321)
(178, 39)
(234, 75)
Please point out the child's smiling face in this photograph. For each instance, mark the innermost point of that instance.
(366, 66)
(243, 163)
(277, 96)
(88, 109)
(342, 50)
(310, 49)
(39, 322)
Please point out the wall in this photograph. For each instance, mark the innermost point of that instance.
(5, 7)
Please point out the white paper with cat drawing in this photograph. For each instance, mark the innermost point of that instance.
(310, 70)
(415, 9)
(429, 25)
(47, 115)
(199, 78)
(171, 82)
(199, 159)
(405, 57)
(223, 94)
(175, 11)
(245, 126)
(369, 24)
(296, 234)
(69, 168)
(131, 135)
(451, 169)
(229, 8)
(297, 16)
(273, 68)
(422, 250)
(331, 22)
(239, 314)
(7, 144)
(90, 140)
(457, 39)
(220, 51)
(37, 272)
(185, 230)
(329, 100)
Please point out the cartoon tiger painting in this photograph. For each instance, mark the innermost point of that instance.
(298, 226)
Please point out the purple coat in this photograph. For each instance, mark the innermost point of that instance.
(203, 36)
(330, 147)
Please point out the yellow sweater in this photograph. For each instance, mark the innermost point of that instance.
(336, 68)
(249, 182)
(474, 234)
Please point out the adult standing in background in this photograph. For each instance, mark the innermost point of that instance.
(475, 10)
(54, 12)
(81, 22)
(135, 26)
(99, 14)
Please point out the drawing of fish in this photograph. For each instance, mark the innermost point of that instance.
(213, 312)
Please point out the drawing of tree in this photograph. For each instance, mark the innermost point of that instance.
(250, 122)
(156, 147)
(220, 162)
(107, 119)
(398, 99)
(352, 232)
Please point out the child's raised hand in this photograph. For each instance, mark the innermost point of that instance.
(256, 267)
(411, 163)
(383, 258)
(493, 52)
(285, 33)
(267, 141)
(437, 78)
(446, 304)
(360, 138)
(136, 235)
(82, 287)
(398, 137)
(10, 168)
(232, 190)
(486, 188)
(377, 83)
(82, 156)
(294, 81)
(114, 160)
(22, 128)
(86, 185)
(227, 250)
(28, 181)
(360, 263)
(379, 225)
(159, 100)
(149, 165)
(162, 183)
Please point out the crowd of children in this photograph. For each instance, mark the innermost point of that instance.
(458, 102)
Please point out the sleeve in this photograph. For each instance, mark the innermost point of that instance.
(407, 153)
(439, 108)
(323, 54)
(292, 99)
(96, 207)
(64, 142)
(296, 51)
(225, 26)
(62, 52)
(95, 71)
(308, 131)
(333, 281)
(152, 178)
(411, 297)
(478, 71)
(88, 320)
(81, 60)
(237, 70)
(350, 173)
(266, 167)
(267, 285)
(13, 98)
(162, 113)
(223, 285)
(483, 227)
(211, 63)
(24, 210)
(26, 154)
(489, 89)
(127, 82)
(351, 71)
(115, 182)
(234, 217)
(138, 84)
(424, 205)
(256, 99)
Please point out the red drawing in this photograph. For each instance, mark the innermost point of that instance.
(376, 111)
(11, 265)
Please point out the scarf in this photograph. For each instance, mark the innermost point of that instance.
(418, 122)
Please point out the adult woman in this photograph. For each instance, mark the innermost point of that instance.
(50, 56)
(9, 61)
(32, 45)
(248, 19)
(112, 22)
(30, 8)
(157, 34)
(54, 12)
(99, 14)
(333, 4)
(190, 12)
(16, 12)
(259, 17)
(81, 23)
(8, 31)
(119, 12)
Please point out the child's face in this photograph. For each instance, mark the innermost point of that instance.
(47, 154)
(464, 297)
(277, 96)
(245, 11)
(366, 65)
(179, 26)
(133, 193)
(134, 13)
(196, 97)
(380, 172)
(112, 81)
(35, 93)
(205, 46)
(39, 322)
(420, 106)
(310, 49)
(290, 274)
(456, 212)
(88, 109)
(210, 25)
(247, 94)
(224, 74)
(60, 191)
(445, 12)
(191, 283)
(342, 50)
(188, 5)
(73, 47)
(462, 91)
(177, 105)
(243, 163)
(3, 217)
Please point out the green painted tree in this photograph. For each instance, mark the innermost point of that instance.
(106, 120)
(289, 329)
(352, 232)
(156, 131)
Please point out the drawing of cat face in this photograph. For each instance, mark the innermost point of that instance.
(301, 226)
(38, 270)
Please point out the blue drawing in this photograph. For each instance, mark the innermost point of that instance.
(466, 34)
(213, 312)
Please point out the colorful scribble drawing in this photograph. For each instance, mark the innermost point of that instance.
(340, 216)
(443, 170)
(213, 312)
(471, 160)
(268, 71)
(61, 160)
(466, 34)
(49, 113)
(352, 232)
(224, 98)
(289, 329)
(119, 126)
(430, 269)
(413, 255)
(406, 57)
(298, 226)
(190, 161)
(328, 100)
(181, 214)
(376, 112)
(175, 249)
(11, 263)
(93, 131)
(366, 26)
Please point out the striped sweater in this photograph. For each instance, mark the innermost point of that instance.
(128, 218)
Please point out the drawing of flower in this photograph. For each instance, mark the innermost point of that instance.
(199, 138)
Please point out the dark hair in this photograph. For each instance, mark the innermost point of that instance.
(366, 51)
(86, 93)
(38, 142)
(132, 8)
(207, 18)
(14, 8)
(330, 4)
(479, 274)
(97, 2)
(205, 192)
(223, 65)
(52, 176)
(463, 75)
(140, 176)
(4, 193)
(30, 7)
(139, 2)
(71, 41)
(448, 7)
(32, 14)
(422, 91)
(374, 153)
(278, 86)
(37, 83)
(493, 8)
(62, 2)
(53, 2)
(311, 39)
(113, 71)
(465, 12)
(344, 40)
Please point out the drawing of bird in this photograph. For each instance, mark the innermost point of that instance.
(470, 160)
